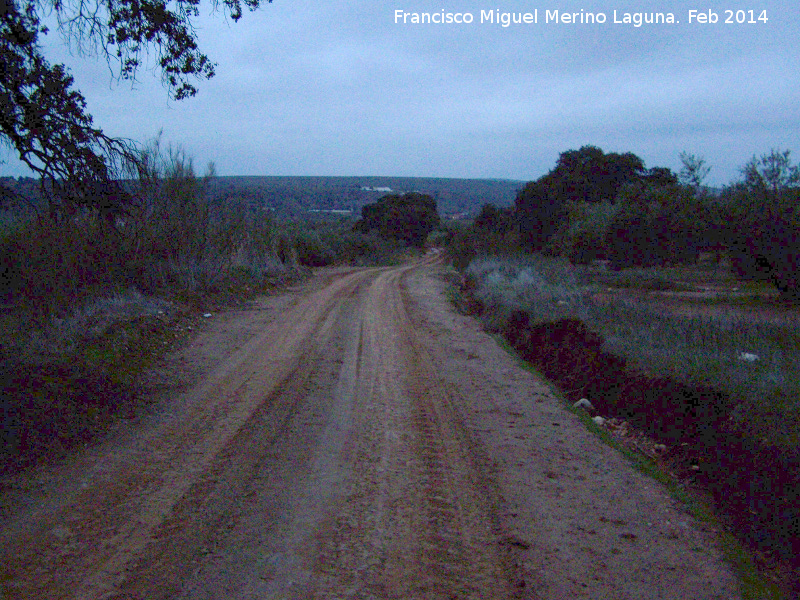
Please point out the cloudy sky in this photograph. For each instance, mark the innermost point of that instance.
(340, 88)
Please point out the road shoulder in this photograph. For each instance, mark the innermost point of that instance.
(589, 524)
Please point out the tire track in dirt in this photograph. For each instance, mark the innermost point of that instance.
(367, 493)
(422, 522)
(130, 502)
(463, 541)
(582, 522)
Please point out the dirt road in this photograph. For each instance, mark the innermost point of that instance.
(352, 438)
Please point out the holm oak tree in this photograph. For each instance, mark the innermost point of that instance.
(44, 119)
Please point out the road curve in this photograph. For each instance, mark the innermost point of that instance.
(365, 442)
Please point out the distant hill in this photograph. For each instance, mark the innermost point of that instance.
(294, 196)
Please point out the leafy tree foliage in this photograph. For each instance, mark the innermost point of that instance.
(763, 229)
(582, 239)
(493, 232)
(406, 217)
(494, 219)
(587, 175)
(660, 176)
(693, 171)
(655, 218)
(41, 116)
(44, 119)
(657, 225)
(770, 175)
(590, 175)
(540, 211)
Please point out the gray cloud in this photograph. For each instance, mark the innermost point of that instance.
(339, 88)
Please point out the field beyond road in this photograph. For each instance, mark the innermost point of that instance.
(352, 437)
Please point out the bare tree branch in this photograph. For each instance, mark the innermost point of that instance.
(44, 118)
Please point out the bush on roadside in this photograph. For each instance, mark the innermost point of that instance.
(311, 250)
(658, 226)
(763, 236)
(358, 248)
(48, 266)
(494, 232)
(583, 238)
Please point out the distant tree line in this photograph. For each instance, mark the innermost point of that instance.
(596, 205)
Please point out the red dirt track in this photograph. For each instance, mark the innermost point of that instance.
(352, 437)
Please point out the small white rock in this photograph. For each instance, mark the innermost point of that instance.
(207, 315)
(599, 420)
(748, 356)
(61, 533)
(584, 403)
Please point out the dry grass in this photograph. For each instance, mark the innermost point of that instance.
(701, 350)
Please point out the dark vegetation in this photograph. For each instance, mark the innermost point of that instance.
(293, 197)
(409, 218)
(77, 235)
(90, 297)
(586, 175)
(585, 311)
(597, 206)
